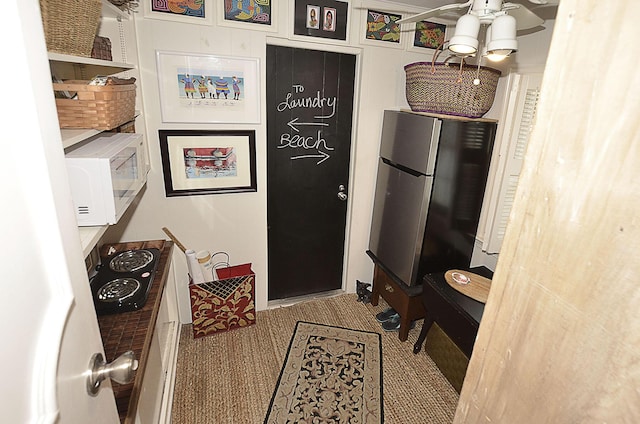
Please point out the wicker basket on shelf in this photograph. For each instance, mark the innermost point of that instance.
(70, 26)
(97, 107)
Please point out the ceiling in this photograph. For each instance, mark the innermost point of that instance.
(427, 4)
(544, 11)
(430, 4)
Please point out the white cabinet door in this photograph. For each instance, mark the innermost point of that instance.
(149, 403)
(156, 394)
(519, 123)
(50, 330)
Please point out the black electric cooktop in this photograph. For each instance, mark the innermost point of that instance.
(123, 281)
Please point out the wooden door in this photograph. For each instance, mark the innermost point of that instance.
(558, 341)
(309, 117)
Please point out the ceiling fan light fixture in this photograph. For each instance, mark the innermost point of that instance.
(498, 55)
(465, 38)
(501, 38)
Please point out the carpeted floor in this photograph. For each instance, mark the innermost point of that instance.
(230, 377)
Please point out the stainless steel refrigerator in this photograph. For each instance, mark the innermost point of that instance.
(430, 186)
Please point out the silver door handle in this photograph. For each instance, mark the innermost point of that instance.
(121, 370)
(341, 194)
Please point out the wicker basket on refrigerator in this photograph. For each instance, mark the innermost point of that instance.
(450, 89)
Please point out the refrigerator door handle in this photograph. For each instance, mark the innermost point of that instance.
(401, 168)
(433, 149)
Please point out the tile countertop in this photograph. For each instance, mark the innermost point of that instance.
(134, 330)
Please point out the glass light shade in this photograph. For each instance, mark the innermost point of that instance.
(501, 36)
(498, 55)
(465, 39)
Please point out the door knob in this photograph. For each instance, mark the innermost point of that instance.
(341, 194)
(121, 370)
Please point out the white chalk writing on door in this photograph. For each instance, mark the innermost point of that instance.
(315, 146)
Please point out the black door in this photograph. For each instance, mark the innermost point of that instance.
(309, 117)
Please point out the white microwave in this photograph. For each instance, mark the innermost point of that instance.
(105, 176)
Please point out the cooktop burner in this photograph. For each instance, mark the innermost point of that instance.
(123, 281)
(118, 290)
(131, 260)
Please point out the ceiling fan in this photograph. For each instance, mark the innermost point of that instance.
(502, 19)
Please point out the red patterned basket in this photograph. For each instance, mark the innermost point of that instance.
(225, 304)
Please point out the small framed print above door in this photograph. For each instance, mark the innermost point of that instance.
(321, 19)
(257, 15)
(427, 35)
(382, 29)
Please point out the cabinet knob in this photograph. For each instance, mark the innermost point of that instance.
(388, 288)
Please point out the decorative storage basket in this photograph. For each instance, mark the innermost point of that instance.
(101, 48)
(449, 89)
(448, 357)
(98, 107)
(225, 304)
(70, 26)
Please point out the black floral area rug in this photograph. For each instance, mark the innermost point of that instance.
(330, 375)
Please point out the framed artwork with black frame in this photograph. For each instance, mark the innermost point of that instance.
(245, 14)
(321, 18)
(197, 12)
(198, 162)
(428, 35)
(381, 29)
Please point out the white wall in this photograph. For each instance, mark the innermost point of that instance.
(236, 223)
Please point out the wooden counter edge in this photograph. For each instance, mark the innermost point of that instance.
(132, 408)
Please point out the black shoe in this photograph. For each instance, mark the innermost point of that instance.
(394, 324)
(386, 315)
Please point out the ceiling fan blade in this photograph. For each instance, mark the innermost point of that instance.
(434, 12)
(545, 2)
(525, 19)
